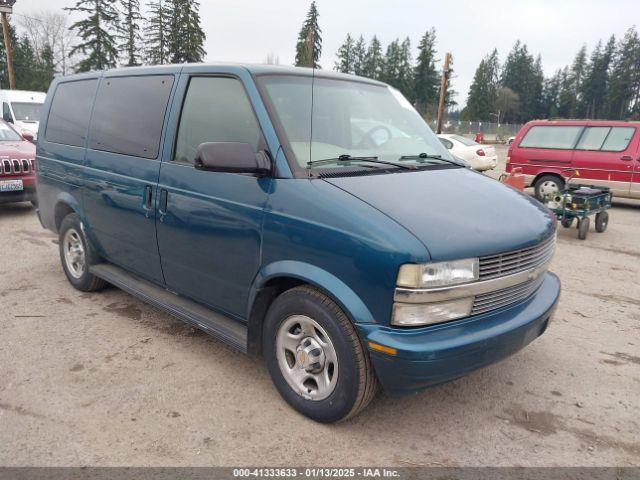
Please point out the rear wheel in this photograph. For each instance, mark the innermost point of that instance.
(583, 228)
(76, 255)
(567, 222)
(602, 221)
(548, 186)
(315, 357)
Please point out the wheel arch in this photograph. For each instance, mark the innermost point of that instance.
(279, 277)
(65, 204)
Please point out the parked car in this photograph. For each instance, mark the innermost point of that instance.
(599, 153)
(17, 154)
(22, 109)
(480, 157)
(346, 264)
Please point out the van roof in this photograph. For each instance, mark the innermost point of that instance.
(254, 69)
(597, 123)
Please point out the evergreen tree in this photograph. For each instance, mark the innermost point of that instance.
(450, 94)
(566, 94)
(523, 76)
(309, 46)
(406, 79)
(427, 78)
(481, 104)
(551, 95)
(96, 33)
(391, 66)
(130, 37)
(156, 33)
(25, 64)
(4, 72)
(47, 68)
(186, 37)
(624, 92)
(374, 60)
(576, 79)
(346, 56)
(594, 88)
(359, 56)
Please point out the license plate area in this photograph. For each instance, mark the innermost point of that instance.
(11, 186)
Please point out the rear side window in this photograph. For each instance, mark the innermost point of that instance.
(70, 112)
(216, 109)
(465, 141)
(552, 136)
(129, 115)
(618, 139)
(593, 138)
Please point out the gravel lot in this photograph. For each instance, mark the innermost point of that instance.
(103, 379)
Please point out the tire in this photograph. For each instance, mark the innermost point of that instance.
(567, 222)
(76, 255)
(583, 228)
(346, 383)
(602, 221)
(34, 203)
(547, 185)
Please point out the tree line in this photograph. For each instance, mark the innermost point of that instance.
(108, 34)
(602, 85)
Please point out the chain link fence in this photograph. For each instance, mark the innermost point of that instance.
(493, 132)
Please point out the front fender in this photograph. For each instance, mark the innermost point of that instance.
(352, 305)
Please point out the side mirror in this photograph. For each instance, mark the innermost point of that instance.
(231, 157)
(28, 136)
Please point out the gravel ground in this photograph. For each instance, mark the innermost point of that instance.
(103, 379)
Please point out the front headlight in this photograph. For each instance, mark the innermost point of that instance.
(439, 274)
(413, 315)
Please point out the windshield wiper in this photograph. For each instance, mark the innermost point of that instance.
(427, 156)
(349, 158)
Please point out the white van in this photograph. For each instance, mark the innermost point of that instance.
(22, 109)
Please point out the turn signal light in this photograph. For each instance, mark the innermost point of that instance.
(382, 348)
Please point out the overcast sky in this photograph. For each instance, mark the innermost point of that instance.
(248, 30)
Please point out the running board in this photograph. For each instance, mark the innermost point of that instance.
(231, 332)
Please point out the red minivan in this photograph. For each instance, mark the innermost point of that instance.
(603, 153)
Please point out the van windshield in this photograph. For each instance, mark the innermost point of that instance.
(26, 112)
(325, 118)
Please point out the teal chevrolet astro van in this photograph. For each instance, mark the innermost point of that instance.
(309, 217)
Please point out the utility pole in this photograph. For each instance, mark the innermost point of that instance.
(6, 7)
(443, 91)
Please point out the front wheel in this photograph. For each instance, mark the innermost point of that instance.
(567, 222)
(583, 228)
(602, 221)
(315, 357)
(76, 255)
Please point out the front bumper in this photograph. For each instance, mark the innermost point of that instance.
(25, 195)
(435, 354)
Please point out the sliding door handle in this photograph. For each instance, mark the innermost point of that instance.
(164, 197)
(148, 195)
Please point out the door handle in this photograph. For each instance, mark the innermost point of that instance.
(164, 196)
(148, 192)
(626, 158)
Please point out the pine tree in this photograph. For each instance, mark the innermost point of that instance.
(566, 94)
(406, 79)
(96, 32)
(25, 64)
(624, 92)
(156, 33)
(346, 56)
(374, 60)
(576, 78)
(523, 76)
(359, 56)
(47, 68)
(551, 95)
(130, 37)
(427, 78)
(481, 103)
(186, 37)
(593, 90)
(309, 46)
(391, 68)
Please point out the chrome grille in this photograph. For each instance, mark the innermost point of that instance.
(25, 165)
(500, 265)
(6, 164)
(16, 166)
(505, 297)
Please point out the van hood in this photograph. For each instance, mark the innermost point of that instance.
(455, 213)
